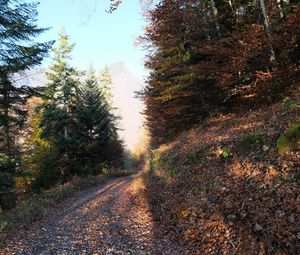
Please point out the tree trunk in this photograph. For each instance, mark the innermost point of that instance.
(268, 28)
(215, 15)
(66, 111)
(279, 5)
(6, 128)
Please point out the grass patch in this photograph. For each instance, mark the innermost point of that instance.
(251, 143)
(166, 162)
(289, 139)
(155, 159)
(170, 164)
(252, 138)
(195, 155)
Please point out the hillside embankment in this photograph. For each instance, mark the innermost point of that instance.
(232, 184)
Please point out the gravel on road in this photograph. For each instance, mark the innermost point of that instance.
(103, 220)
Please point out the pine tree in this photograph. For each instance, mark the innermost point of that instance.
(59, 95)
(105, 82)
(18, 53)
(95, 126)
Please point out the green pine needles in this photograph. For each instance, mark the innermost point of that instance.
(77, 120)
(18, 52)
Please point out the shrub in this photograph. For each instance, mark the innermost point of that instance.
(23, 183)
(47, 172)
(6, 181)
(102, 168)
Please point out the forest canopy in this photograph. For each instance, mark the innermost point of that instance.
(216, 56)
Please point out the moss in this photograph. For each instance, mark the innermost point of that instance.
(289, 139)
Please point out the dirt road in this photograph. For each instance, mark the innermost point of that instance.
(102, 220)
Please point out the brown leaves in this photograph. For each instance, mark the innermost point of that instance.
(249, 203)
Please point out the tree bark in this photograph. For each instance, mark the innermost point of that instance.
(268, 28)
(215, 15)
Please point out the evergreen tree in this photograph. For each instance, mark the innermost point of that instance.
(59, 95)
(60, 91)
(105, 82)
(95, 126)
(18, 53)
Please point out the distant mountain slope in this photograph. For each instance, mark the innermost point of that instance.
(33, 78)
(125, 83)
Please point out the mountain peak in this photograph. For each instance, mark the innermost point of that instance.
(117, 68)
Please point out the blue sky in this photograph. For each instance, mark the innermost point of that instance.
(101, 38)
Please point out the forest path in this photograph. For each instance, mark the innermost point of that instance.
(103, 220)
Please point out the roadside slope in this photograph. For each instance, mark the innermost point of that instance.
(225, 189)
